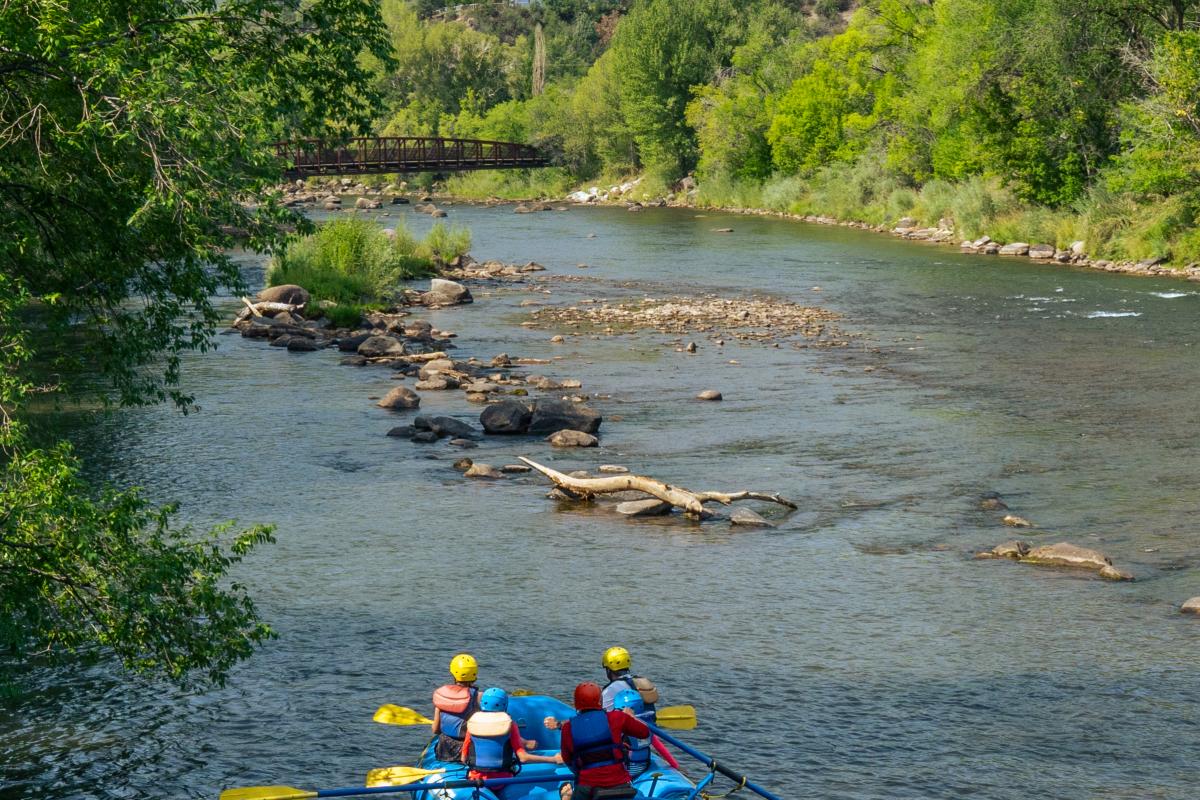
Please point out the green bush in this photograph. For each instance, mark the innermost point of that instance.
(444, 244)
(353, 261)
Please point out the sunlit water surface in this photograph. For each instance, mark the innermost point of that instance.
(853, 652)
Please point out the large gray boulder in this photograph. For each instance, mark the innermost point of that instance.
(400, 398)
(1042, 251)
(287, 293)
(506, 417)
(652, 507)
(550, 416)
(378, 346)
(446, 293)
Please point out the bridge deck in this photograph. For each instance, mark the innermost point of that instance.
(404, 154)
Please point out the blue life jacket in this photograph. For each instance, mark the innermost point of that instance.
(592, 741)
(637, 755)
(492, 752)
(455, 725)
(648, 713)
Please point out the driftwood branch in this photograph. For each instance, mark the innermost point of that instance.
(691, 502)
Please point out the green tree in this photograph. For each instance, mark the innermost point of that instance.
(135, 138)
(662, 50)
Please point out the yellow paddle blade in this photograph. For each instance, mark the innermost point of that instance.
(398, 776)
(399, 715)
(679, 718)
(267, 793)
(523, 693)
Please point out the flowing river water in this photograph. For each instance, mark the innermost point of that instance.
(856, 651)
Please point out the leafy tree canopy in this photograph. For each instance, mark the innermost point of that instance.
(134, 141)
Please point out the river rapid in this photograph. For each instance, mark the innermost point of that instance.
(856, 651)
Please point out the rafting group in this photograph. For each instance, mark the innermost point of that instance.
(606, 743)
(489, 744)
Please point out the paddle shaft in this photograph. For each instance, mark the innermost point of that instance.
(354, 791)
(713, 765)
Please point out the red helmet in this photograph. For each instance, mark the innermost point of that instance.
(587, 696)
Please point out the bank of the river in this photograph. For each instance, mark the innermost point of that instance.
(943, 231)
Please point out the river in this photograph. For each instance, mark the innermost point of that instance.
(856, 651)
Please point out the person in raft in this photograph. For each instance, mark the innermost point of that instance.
(453, 705)
(637, 751)
(593, 746)
(616, 663)
(493, 747)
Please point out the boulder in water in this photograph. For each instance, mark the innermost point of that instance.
(506, 417)
(380, 346)
(286, 293)
(400, 397)
(571, 438)
(550, 416)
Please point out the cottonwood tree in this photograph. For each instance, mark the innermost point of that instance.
(134, 142)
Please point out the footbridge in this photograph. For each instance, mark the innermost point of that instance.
(403, 154)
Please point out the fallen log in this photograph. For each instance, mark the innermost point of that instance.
(692, 503)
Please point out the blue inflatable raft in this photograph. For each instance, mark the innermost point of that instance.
(660, 781)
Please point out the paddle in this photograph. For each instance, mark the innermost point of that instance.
(680, 718)
(712, 764)
(292, 793)
(389, 714)
(398, 776)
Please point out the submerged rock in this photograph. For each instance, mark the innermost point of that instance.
(482, 471)
(745, 518)
(710, 395)
(653, 507)
(401, 397)
(1062, 554)
(1013, 521)
(1191, 606)
(571, 438)
(1013, 549)
(449, 426)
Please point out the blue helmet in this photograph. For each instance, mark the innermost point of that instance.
(628, 698)
(493, 700)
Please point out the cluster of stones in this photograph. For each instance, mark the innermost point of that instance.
(328, 194)
(467, 268)
(755, 319)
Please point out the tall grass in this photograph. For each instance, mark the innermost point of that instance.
(354, 262)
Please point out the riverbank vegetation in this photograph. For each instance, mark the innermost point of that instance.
(357, 264)
(131, 137)
(1035, 120)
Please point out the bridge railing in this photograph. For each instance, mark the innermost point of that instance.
(404, 154)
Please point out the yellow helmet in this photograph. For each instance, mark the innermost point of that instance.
(464, 668)
(616, 658)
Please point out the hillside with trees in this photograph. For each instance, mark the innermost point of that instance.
(1047, 120)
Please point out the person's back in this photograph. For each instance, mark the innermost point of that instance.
(592, 745)
(493, 747)
(453, 706)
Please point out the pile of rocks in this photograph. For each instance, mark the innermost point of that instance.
(467, 268)
(748, 319)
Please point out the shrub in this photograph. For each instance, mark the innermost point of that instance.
(352, 261)
(443, 244)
